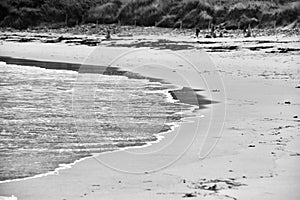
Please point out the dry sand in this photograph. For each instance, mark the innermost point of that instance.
(257, 154)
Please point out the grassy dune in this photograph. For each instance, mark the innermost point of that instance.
(231, 14)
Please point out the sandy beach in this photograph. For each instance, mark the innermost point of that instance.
(246, 145)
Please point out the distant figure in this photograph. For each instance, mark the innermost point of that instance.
(212, 29)
(221, 33)
(107, 34)
(212, 32)
(249, 33)
(197, 32)
(245, 30)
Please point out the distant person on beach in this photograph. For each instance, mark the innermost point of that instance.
(221, 34)
(212, 31)
(219, 31)
(248, 33)
(245, 30)
(197, 32)
(107, 35)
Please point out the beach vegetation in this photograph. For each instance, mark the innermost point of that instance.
(231, 14)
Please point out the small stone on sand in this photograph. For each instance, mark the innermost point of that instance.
(214, 187)
(189, 195)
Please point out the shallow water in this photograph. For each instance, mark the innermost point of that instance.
(53, 117)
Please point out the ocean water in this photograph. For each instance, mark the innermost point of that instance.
(54, 117)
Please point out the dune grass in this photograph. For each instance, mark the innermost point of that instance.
(231, 14)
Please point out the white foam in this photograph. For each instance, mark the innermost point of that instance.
(8, 198)
(54, 172)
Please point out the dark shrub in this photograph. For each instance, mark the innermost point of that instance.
(167, 21)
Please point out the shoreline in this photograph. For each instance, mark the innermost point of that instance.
(170, 97)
